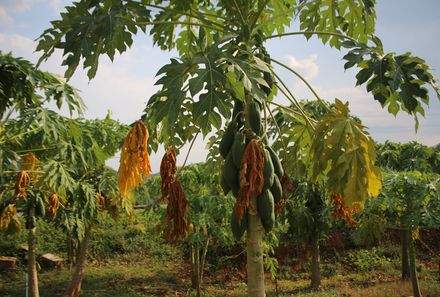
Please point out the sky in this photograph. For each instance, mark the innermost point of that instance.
(124, 86)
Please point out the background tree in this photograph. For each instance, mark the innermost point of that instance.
(208, 222)
(23, 86)
(408, 201)
(222, 59)
(26, 143)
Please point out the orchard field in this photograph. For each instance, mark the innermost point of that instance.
(294, 198)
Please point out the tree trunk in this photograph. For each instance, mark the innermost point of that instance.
(32, 265)
(412, 267)
(193, 267)
(70, 250)
(405, 255)
(75, 284)
(255, 268)
(316, 271)
(202, 264)
(197, 271)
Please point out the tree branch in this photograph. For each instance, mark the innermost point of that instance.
(304, 81)
(312, 33)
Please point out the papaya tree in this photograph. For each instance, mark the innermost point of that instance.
(58, 162)
(208, 223)
(312, 207)
(411, 156)
(23, 86)
(408, 201)
(223, 64)
(63, 183)
(95, 189)
(32, 131)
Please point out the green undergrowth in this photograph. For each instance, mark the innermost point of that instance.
(131, 259)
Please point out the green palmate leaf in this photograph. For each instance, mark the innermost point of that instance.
(292, 143)
(91, 28)
(212, 104)
(345, 152)
(22, 86)
(58, 178)
(165, 105)
(185, 43)
(409, 199)
(47, 127)
(212, 77)
(396, 81)
(354, 18)
(277, 16)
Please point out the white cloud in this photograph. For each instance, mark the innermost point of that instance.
(9, 8)
(4, 17)
(17, 6)
(306, 67)
(18, 44)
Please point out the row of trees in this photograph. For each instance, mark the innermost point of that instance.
(53, 167)
(223, 62)
(309, 211)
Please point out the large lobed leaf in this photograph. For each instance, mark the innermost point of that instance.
(344, 151)
(396, 81)
(354, 18)
(23, 86)
(198, 90)
(92, 28)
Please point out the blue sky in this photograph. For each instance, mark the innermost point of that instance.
(125, 85)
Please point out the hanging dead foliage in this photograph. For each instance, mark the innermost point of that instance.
(135, 160)
(287, 186)
(167, 171)
(30, 164)
(173, 193)
(101, 200)
(9, 217)
(21, 183)
(251, 177)
(341, 211)
(54, 204)
(177, 213)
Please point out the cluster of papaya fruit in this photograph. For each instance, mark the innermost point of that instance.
(234, 145)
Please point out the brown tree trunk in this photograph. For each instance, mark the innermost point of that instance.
(70, 251)
(203, 261)
(255, 268)
(193, 267)
(32, 265)
(75, 284)
(197, 271)
(405, 255)
(412, 268)
(316, 270)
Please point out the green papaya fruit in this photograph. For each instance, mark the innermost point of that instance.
(40, 209)
(231, 174)
(237, 149)
(239, 118)
(253, 117)
(276, 190)
(278, 167)
(30, 222)
(238, 228)
(224, 185)
(268, 170)
(227, 139)
(266, 210)
(269, 80)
